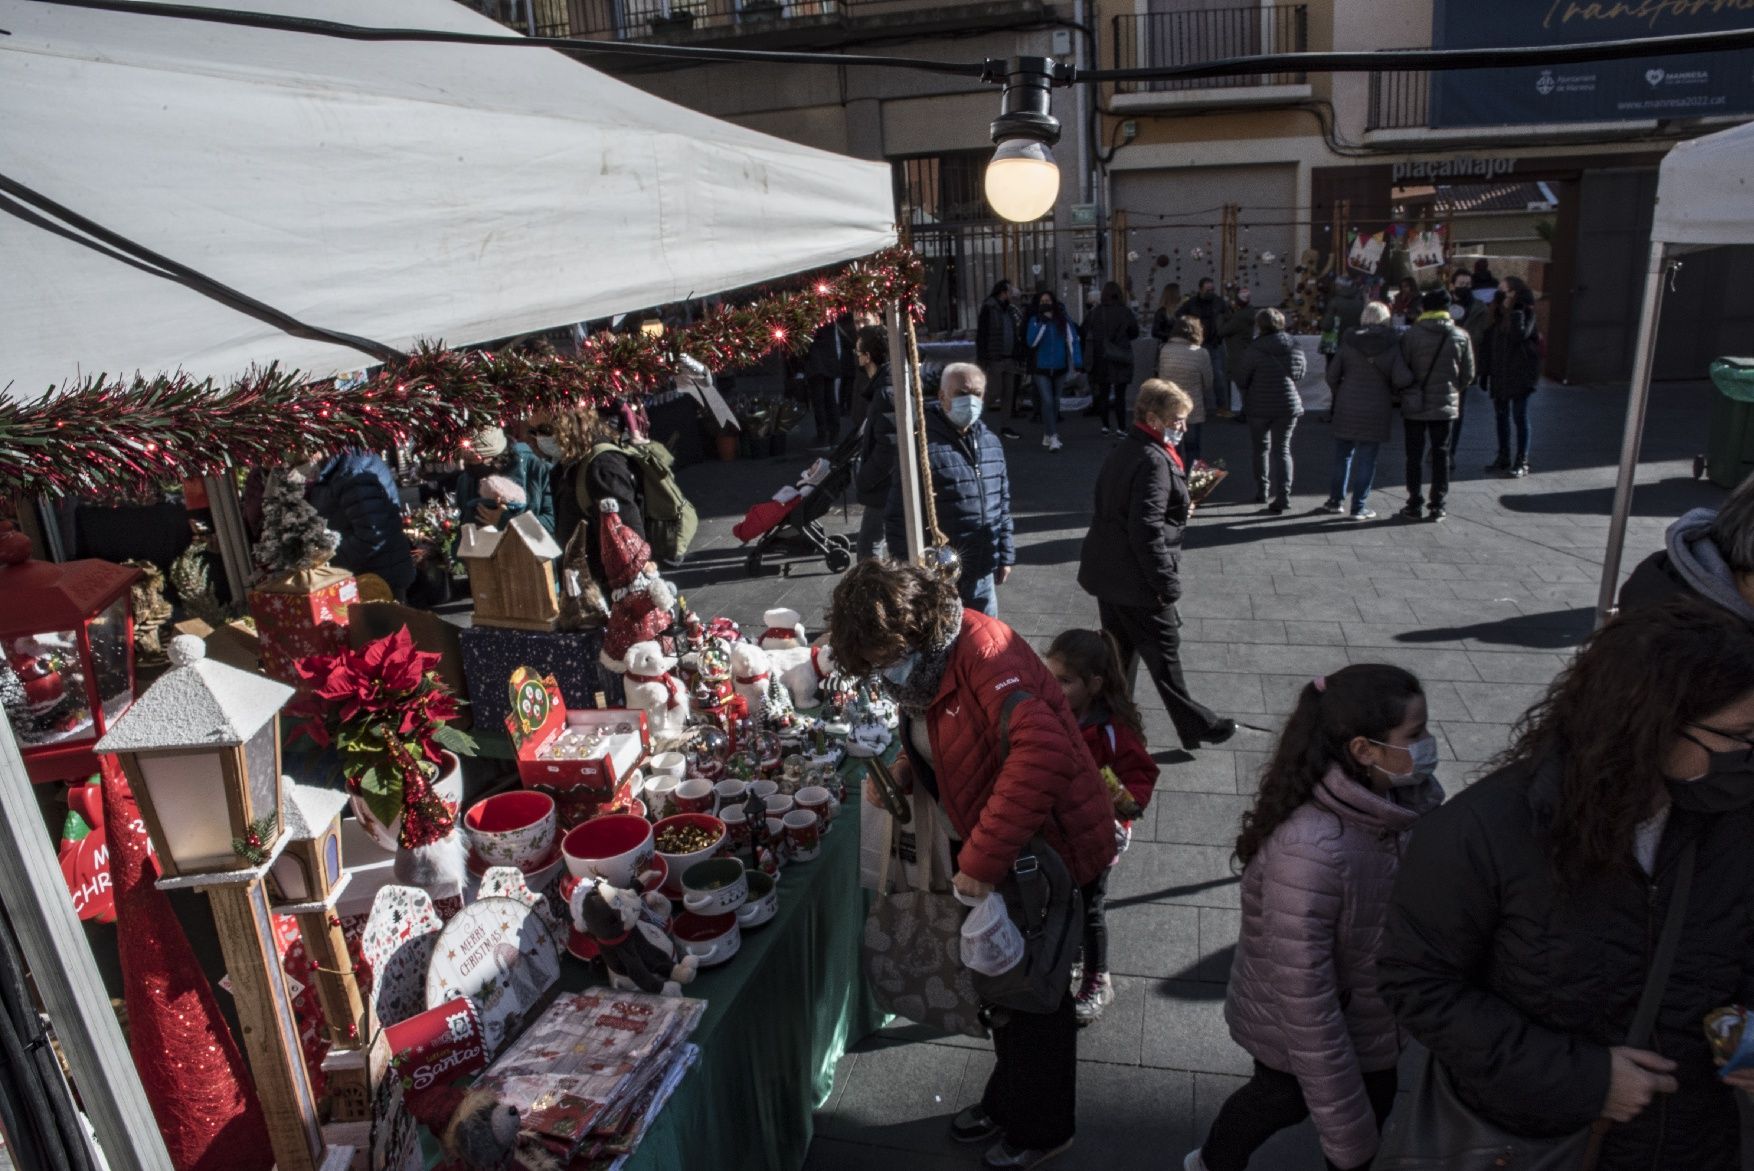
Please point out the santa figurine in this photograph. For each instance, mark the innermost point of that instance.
(785, 630)
(640, 600)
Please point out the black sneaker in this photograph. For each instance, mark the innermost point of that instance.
(1010, 433)
(1277, 507)
(1436, 512)
(1411, 512)
(1002, 1156)
(1331, 507)
(973, 1125)
(1500, 465)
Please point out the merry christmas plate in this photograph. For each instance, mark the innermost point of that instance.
(499, 954)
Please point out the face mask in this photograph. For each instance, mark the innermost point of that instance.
(1726, 785)
(963, 410)
(1174, 435)
(549, 446)
(897, 673)
(1464, 295)
(1423, 755)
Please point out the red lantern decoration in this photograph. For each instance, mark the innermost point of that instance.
(66, 656)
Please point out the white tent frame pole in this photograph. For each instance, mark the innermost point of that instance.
(229, 532)
(907, 444)
(66, 977)
(1638, 399)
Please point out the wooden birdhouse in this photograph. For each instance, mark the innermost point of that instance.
(511, 574)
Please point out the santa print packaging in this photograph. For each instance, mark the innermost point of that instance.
(299, 614)
(545, 735)
(438, 1046)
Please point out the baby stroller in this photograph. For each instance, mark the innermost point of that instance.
(791, 519)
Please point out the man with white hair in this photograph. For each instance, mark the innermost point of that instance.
(970, 487)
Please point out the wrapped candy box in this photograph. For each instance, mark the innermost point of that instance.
(300, 614)
(592, 748)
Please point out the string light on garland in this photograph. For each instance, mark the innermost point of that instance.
(102, 434)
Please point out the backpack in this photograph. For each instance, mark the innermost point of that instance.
(670, 519)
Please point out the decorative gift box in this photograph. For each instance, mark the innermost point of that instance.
(492, 653)
(592, 748)
(299, 614)
(437, 1046)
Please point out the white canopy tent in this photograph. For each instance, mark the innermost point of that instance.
(392, 191)
(1705, 198)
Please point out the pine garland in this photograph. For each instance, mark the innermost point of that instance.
(127, 436)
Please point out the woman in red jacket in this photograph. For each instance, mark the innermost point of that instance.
(1087, 664)
(1003, 770)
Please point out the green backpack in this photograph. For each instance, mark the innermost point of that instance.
(670, 518)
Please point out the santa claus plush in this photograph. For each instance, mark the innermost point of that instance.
(641, 602)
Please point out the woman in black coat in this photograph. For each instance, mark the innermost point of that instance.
(1516, 368)
(1527, 909)
(877, 441)
(1109, 330)
(1131, 560)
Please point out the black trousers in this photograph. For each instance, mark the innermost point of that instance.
(1096, 922)
(825, 407)
(1033, 1091)
(1155, 636)
(1109, 399)
(1417, 432)
(1271, 1101)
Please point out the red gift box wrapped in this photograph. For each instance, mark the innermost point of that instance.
(300, 614)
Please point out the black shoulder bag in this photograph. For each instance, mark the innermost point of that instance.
(1045, 904)
(1435, 1131)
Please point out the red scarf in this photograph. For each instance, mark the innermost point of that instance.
(1168, 447)
(672, 689)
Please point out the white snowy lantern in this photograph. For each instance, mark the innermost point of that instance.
(201, 749)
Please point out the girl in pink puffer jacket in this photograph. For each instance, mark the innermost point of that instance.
(1349, 777)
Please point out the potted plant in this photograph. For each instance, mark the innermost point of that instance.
(385, 709)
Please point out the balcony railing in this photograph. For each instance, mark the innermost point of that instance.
(690, 20)
(1400, 100)
(1209, 34)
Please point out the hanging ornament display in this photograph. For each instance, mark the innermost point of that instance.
(119, 435)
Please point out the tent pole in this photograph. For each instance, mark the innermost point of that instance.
(229, 533)
(907, 449)
(1643, 359)
(66, 977)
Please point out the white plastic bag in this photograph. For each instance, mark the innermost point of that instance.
(991, 943)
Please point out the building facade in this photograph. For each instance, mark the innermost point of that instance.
(1260, 178)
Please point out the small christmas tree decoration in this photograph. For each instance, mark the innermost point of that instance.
(294, 534)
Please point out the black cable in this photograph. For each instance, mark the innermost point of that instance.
(1350, 62)
(171, 270)
(1412, 60)
(354, 32)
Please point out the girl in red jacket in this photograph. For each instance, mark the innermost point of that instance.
(1088, 667)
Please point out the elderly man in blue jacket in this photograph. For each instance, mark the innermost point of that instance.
(970, 487)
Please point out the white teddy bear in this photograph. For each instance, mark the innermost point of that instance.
(803, 669)
(650, 687)
(753, 678)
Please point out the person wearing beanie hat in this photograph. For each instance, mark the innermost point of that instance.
(490, 452)
(1441, 358)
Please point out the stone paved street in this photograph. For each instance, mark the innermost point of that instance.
(1483, 607)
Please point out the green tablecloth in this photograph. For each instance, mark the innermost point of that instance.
(779, 1016)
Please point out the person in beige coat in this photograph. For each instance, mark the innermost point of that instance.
(1350, 775)
(1184, 361)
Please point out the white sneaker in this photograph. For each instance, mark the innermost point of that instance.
(1105, 428)
(1054, 443)
(1193, 1162)
(1046, 441)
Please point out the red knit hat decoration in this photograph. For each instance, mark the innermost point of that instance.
(635, 618)
(625, 552)
(427, 818)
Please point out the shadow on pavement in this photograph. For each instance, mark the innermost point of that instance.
(1670, 498)
(1552, 631)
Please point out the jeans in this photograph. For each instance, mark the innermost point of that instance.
(1145, 632)
(1509, 410)
(1271, 447)
(825, 406)
(870, 530)
(1096, 923)
(979, 593)
(1271, 1101)
(1417, 431)
(1047, 398)
(1354, 464)
(1033, 1090)
(1219, 370)
(1190, 447)
(1108, 398)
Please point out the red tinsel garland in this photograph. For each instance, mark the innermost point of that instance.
(103, 435)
